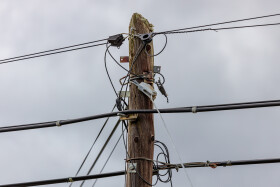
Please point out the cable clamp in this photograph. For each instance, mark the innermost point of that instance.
(209, 164)
(228, 163)
(194, 109)
(132, 167)
(147, 89)
(146, 38)
(70, 180)
(130, 117)
(177, 167)
(116, 40)
(58, 123)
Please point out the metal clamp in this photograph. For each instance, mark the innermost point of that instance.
(57, 123)
(132, 167)
(194, 109)
(130, 117)
(146, 38)
(147, 89)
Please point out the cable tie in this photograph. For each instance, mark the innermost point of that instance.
(194, 109)
(70, 179)
(58, 123)
(228, 163)
(177, 168)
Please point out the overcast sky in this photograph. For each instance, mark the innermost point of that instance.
(200, 69)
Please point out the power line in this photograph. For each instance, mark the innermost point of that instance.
(105, 63)
(224, 28)
(35, 56)
(221, 23)
(221, 163)
(160, 167)
(188, 179)
(192, 109)
(101, 130)
(102, 149)
(65, 180)
(51, 50)
(109, 157)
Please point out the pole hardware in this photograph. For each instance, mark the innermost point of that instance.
(124, 93)
(116, 40)
(132, 167)
(124, 59)
(147, 89)
(146, 38)
(162, 89)
(157, 69)
(130, 117)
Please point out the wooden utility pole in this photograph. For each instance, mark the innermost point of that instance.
(140, 132)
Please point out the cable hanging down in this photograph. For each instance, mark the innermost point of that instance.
(192, 109)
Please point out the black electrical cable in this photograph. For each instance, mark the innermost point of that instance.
(65, 180)
(194, 109)
(138, 52)
(163, 167)
(105, 63)
(102, 149)
(165, 44)
(71, 46)
(166, 156)
(220, 23)
(116, 60)
(101, 130)
(221, 163)
(163, 78)
(29, 57)
(223, 28)
(125, 147)
(108, 158)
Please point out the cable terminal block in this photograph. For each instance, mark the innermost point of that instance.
(147, 89)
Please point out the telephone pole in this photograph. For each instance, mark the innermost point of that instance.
(140, 132)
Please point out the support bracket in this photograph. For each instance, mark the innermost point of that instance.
(130, 117)
(132, 167)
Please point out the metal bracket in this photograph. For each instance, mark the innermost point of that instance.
(146, 38)
(132, 167)
(130, 117)
(157, 69)
(124, 59)
(124, 93)
(147, 89)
